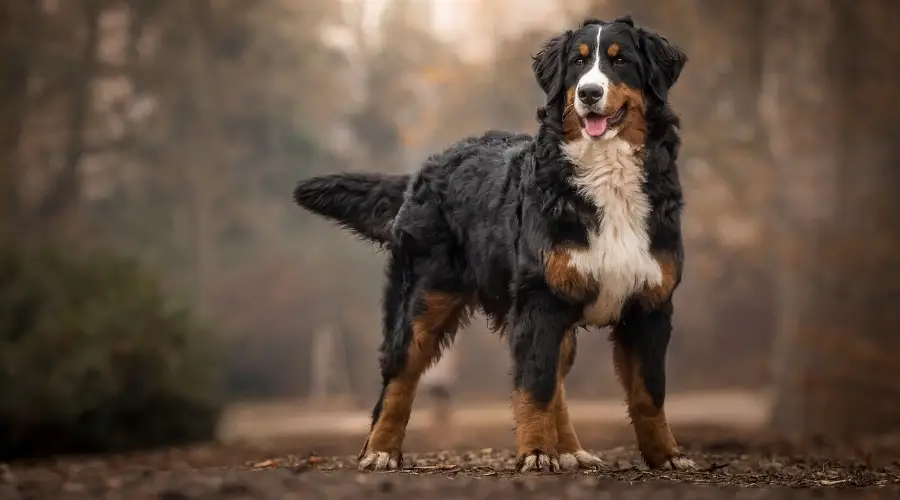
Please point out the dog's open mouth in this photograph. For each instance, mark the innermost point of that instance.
(595, 124)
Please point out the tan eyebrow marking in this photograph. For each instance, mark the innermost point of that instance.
(584, 50)
(613, 49)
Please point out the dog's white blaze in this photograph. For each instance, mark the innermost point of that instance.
(594, 75)
(610, 174)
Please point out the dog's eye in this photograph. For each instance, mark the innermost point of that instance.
(579, 62)
(618, 61)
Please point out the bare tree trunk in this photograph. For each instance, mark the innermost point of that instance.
(18, 26)
(60, 206)
(204, 87)
(829, 109)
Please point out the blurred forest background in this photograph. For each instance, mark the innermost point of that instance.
(172, 133)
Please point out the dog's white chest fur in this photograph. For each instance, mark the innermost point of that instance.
(610, 174)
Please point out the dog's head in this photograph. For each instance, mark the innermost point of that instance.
(602, 77)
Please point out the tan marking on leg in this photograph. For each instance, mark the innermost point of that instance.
(654, 295)
(567, 439)
(390, 428)
(651, 428)
(535, 427)
(442, 314)
(571, 454)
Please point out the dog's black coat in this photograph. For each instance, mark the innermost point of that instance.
(477, 219)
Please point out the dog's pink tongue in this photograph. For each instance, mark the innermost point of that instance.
(595, 126)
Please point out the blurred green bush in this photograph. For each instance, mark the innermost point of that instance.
(94, 359)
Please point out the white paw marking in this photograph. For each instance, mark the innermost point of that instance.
(378, 460)
(680, 463)
(579, 459)
(539, 462)
(567, 461)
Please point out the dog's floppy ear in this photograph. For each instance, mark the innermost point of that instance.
(666, 62)
(549, 64)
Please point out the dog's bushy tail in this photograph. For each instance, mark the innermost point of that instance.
(363, 203)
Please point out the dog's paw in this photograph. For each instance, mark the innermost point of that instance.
(380, 460)
(537, 461)
(579, 459)
(680, 462)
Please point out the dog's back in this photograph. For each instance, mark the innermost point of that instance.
(461, 208)
(368, 203)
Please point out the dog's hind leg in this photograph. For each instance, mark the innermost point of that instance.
(640, 341)
(419, 321)
(540, 322)
(571, 454)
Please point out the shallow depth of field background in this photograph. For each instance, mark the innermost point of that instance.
(171, 134)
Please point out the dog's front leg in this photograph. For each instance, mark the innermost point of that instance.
(539, 324)
(640, 341)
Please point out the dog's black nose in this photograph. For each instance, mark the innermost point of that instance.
(590, 93)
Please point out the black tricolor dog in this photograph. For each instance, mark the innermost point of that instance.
(577, 226)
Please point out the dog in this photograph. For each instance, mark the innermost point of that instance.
(576, 226)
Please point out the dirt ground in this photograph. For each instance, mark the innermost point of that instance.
(736, 462)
